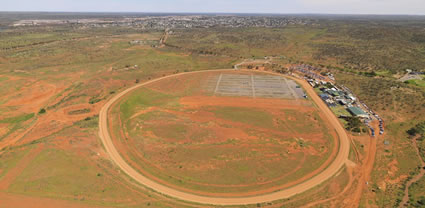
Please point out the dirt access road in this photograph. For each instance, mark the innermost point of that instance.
(329, 172)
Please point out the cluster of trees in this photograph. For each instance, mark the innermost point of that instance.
(368, 74)
(420, 202)
(419, 129)
(354, 124)
(368, 46)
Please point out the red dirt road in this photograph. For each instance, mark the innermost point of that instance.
(326, 174)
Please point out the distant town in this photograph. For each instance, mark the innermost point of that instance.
(173, 22)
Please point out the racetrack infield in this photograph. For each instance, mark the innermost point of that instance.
(181, 133)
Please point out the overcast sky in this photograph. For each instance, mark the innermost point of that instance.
(225, 6)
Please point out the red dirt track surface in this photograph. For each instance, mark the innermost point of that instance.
(311, 180)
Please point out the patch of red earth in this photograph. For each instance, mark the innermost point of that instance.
(366, 169)
(3, 60)
(14, 137)
(205, 116)
(50, 123)
(33, 97)
(223, 133)
(3, 129)
(334, 188)
(17, 170)
(11, 78)
(180, 84)
(392, 168)
(54, 121)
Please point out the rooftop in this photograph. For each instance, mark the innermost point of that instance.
(356, 111)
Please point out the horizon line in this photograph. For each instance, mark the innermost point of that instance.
(236, 13)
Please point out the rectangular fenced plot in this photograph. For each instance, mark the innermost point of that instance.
(267, 86)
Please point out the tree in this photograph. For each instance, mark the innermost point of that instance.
(353, 124)
(421, 201)
(419, 129)
(329, 85)
(370, 74)
(42, 111)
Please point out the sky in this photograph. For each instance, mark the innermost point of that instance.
(412, 7)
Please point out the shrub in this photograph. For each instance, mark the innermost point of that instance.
(419, 129)
(42, 111)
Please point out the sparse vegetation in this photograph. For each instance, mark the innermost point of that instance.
(80, 111)
(89, 122)
(48, 70)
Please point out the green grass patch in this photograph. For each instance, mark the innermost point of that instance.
(18, 119)
(417, 82)
(141, 99)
